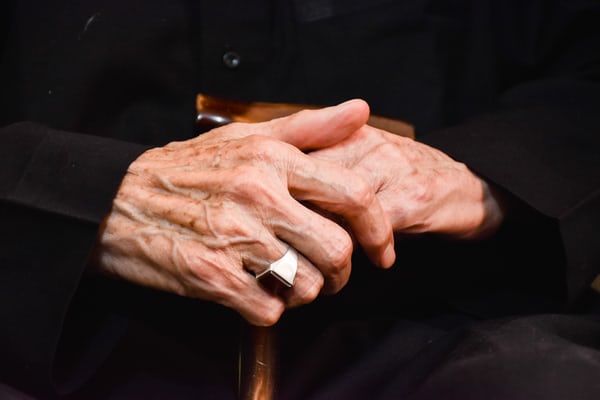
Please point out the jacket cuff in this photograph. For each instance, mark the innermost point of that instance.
(547, 157)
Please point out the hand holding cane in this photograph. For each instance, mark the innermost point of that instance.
(258, 351)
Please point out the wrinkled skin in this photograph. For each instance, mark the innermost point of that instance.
(420, 188)
(200, 217)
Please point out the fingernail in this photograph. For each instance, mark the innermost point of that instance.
(389, 256)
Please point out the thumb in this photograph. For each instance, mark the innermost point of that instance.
(316, 129)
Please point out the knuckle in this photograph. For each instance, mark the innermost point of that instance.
(269, 316)
(228, 229)
(389, 148)
(362, 195)
(313, 289)
(384, 238)
(245, 177)
(248, 179)
(425, 188)
(340, 253)
(338, 271)
(264, 148)
(333, 286)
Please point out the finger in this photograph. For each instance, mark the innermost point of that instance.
(314, 129)
(220, 277)
(308, 284)
(241, 291)
(340, 191)
(322, 242)
(233, 286)
(308, 280)
(169, 261)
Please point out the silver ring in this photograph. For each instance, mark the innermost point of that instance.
(283, 269)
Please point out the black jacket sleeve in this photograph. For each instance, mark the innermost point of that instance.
(55, 189)
(96, 82)
(542, 140)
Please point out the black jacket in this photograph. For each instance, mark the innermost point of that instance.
(510, 88)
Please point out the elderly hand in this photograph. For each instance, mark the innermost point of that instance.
(195, 217)
(420, 188)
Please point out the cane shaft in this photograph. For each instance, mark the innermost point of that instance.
(258, 363)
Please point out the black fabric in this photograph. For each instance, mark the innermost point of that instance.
(56, 188)
(543, 357)
(511, 88)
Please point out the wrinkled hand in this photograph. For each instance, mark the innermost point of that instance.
(420, 188)
(195, 217)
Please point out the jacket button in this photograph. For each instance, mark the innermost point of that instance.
(231, 59)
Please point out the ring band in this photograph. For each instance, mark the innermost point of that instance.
(283, 269)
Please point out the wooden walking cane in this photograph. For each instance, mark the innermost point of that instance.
(258, 362)
(258, 357)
